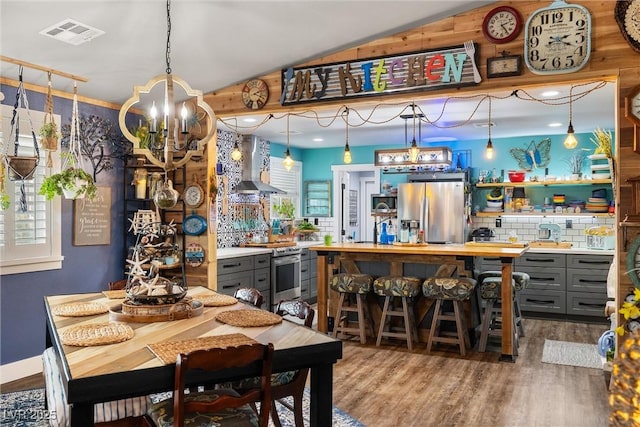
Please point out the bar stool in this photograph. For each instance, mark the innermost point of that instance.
(490, 290)
(353, 286)
(456, 290)
(393, 287)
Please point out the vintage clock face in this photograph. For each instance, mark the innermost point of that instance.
(633, 262)
(558, 39)
(502, 24)
(504, 66)
(627, 13)
(632, 106)
(193, 195)
(255, 94)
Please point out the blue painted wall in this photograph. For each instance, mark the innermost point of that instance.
(85, 268)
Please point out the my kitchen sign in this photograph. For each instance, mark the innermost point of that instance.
(417, 71)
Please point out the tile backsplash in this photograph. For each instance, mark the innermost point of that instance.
(526, 227)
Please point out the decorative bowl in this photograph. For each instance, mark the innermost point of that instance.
(516, 176)
(491, 204)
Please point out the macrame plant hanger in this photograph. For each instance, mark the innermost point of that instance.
(73, 159)
(50, 141)
(21, 168)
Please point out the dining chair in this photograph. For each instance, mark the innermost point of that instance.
(118, 285)
(249, 295)
(222, 406)
(289, 383)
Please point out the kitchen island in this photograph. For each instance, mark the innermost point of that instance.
(458, 255)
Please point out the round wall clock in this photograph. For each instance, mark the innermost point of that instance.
(633, 262)
(632, 106)
(558, 38)
(502, 24)
(255, 94)
(627, 14)
(194, 225)
(193, 195)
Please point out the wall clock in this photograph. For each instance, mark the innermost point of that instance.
(632, 113)
(633, 262)
(194, 255)
(194, 225)
(504, 66)
(627, 14)
(255, 94)
(193, 194)
(502, 24)
(558, 38)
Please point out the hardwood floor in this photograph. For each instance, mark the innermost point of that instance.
(389, 386)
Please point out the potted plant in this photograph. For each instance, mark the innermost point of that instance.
(49, 134)
(602, 140)
(286, 211)
(72, 182)
(575, 162)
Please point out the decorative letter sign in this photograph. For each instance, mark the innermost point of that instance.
(418, 71)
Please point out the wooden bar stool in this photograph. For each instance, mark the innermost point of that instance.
(353, 286)
(393, 287)
(490, 289)
(456, 290)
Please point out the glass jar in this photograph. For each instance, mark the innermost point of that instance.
(166, 197)
(140, 181)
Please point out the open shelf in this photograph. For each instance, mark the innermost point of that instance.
(543, 183)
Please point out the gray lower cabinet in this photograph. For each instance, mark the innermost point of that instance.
(309, 275)
(572, 284)
(248, 271)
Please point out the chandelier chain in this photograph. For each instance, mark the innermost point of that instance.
(168, 52)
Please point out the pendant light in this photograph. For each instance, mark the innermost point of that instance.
(347, 150)
(168, 144)
(288, 161)
(236, 154)
(414, 151)
(570, 141)
(488, 153)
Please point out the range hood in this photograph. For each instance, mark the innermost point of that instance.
(252, 165)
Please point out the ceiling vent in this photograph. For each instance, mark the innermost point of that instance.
(72, 32)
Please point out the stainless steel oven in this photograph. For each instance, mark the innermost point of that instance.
(285, 274)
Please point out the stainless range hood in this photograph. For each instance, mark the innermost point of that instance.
(251, 168)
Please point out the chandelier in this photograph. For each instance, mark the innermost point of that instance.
(162, 144)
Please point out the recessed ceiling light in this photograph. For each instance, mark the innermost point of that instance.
(484, 124)
(550, 93)
(249, 120)
(555, 124)
(439, 139)
(318, 139)
(291, 132)
(72, 32)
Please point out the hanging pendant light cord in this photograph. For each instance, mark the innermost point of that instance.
(168, 52)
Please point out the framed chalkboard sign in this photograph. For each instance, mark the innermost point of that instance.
(92, 219)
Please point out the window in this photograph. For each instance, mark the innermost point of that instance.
(287, 181)
(29, 239)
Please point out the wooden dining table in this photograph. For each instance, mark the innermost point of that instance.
(345, 256)
(102, 373)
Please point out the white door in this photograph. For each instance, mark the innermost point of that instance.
(366, 220)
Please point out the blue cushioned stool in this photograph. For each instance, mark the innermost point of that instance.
(456, 290)
(350, 287)
(393, 288)
(490, 290)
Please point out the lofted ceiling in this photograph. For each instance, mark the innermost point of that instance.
(215, 44)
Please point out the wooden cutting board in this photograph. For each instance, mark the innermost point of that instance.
(498, 244)
(543, 244)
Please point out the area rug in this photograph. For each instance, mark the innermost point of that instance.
(571, 353)
(26, 409)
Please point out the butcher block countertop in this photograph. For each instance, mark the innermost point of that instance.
(430, 249)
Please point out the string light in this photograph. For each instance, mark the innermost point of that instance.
(288, 161)
(347, 151)
(488, 153)
(570, 141)
(414, 151)
(236, 154)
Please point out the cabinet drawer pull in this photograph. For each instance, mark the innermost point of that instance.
(539, 301)
(594, 305)
(231, 265)
(230, 286)
(542, 279)
(540, 259)
(261, 280)
(597, 282)
(593, 262)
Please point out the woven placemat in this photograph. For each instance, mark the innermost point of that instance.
(96, 334)
(248, 318)
(73, 309)
(217, 300)
(115, 294)
(168, 351)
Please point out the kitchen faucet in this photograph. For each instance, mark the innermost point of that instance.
(375, 222)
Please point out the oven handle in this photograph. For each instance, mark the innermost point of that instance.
(289, 259)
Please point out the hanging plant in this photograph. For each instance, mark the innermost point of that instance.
(4, 197)
(49, 134)
(73, 181)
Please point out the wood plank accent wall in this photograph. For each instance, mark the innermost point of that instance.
(611, 59)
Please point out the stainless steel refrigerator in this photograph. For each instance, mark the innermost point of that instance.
(439, 205)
